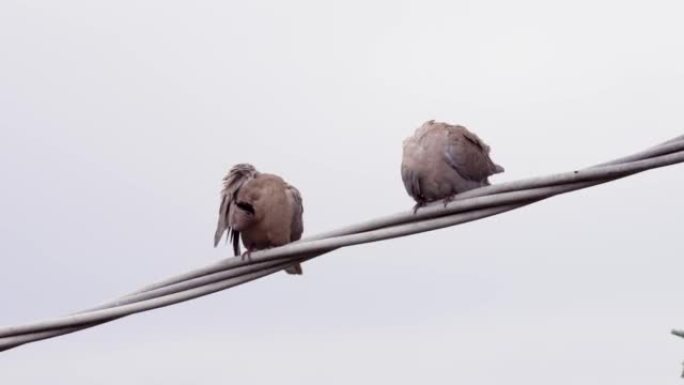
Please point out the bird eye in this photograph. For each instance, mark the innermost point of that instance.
(246, 206)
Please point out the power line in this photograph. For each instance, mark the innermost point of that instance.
(469, 206)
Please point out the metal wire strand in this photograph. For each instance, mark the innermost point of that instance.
(469, 206)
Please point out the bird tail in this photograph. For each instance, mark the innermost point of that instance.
(294, 269)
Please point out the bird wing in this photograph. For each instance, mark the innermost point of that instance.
(411, 182)
(232, 182)
(466, 153)
(297, 227)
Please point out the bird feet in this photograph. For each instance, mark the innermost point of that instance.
(447, 200)
(417, 206)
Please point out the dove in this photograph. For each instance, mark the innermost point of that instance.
(260, 208)
(441, 160)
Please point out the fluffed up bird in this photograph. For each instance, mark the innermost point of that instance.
(441, 160)
(260, 208)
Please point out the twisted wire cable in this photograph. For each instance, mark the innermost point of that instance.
(466, 207)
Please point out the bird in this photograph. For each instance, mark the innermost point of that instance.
(260, 208)
(440, 160)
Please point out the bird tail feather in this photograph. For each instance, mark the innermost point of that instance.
(294, 269)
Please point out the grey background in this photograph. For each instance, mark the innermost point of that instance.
(119, 119)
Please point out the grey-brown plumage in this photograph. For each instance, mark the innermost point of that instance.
(262, 209)
(441, 160)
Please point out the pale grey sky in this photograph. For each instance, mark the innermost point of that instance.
(118, 121)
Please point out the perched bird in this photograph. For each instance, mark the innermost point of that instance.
(441, 160)
(261, 208)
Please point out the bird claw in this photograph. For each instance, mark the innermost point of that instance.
(448, 200)
(417, 206)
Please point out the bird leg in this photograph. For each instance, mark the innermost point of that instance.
(247, 255)
(418, 205)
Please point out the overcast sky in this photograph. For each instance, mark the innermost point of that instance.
(118, 121)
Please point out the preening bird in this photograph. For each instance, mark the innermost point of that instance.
(441, 160)
(260, 208)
